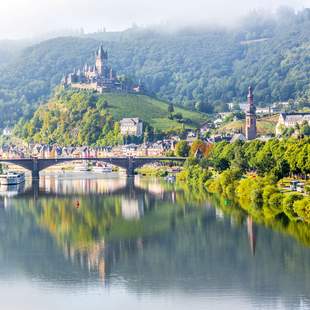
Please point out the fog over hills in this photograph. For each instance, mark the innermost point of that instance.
(201, 68)
(34, 17)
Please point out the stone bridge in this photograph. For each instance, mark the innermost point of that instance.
(35, 165)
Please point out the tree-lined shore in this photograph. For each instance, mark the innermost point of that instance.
(255, 175)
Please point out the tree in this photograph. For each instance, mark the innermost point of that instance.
(288, 205)
(170, 108)
(178, 116)
(182, 148)
(220, 164)
(302, 208)
(201, 147)
(305, 129)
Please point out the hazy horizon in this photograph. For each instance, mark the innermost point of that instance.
(29, 18)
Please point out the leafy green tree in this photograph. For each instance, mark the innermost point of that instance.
(288, 205)
(302, 208)
(170, 108)
(305, 129)
(182, 149)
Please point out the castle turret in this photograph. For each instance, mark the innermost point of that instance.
(101, 60)
(250, 126)
(112, 74)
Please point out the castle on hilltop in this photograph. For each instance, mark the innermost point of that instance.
(100, 77)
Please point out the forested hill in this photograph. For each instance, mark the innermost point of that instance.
(84, 118)
(200, 69)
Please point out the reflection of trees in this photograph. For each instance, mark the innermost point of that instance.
(180, 236)
(205, 254)
(77, 222)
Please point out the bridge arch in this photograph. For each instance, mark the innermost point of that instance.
(118, 162)
(23, 163)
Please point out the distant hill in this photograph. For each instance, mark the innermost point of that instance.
(201, 69)
(84, 118)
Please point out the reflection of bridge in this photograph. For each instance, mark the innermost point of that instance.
(35, 165)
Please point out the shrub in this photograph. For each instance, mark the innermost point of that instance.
(268, 191)
(288, 205)
(276, 200)
(302, 208)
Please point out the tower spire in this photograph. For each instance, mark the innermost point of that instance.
(250, 126)
(101, 61)
(250, 96)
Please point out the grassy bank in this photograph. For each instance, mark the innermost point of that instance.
(153, 171)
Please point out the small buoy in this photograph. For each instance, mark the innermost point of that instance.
(77, 204)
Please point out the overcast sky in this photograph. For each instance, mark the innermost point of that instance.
(25, 18)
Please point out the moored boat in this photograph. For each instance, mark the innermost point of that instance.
(81, 168)
(102, 169)
(12, 178)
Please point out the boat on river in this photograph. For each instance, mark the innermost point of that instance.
(12, 178)
(102, 169)
(83, 167)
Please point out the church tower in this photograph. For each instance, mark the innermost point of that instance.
(101, 61)
(250, 125)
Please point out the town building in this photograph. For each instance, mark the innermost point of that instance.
(237, 137)
(7, 132)
(205, 128)
(264, 111)
(131, 127)
(250, 118)
(290, 120)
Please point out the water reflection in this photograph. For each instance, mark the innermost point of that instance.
(145, 239)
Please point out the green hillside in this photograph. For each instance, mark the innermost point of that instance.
(74, 117)
(200, 69)
(152, 111)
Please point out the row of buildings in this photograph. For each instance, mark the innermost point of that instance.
(158, 148)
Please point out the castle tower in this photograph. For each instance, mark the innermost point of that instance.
(101, 60)
(250, 125)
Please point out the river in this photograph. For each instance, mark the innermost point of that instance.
(83, 242)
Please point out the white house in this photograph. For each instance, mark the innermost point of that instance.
(131, 127)
(7, 132)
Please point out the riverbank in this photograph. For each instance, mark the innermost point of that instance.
(261, 196)
(254, 176)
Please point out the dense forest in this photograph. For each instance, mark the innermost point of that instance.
(201, 69)
(76, 118)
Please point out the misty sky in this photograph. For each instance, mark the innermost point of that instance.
(25, 18)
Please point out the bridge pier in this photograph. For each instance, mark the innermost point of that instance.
(130, 170)
(35, 173)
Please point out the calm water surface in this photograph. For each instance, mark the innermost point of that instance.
(79, 242)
